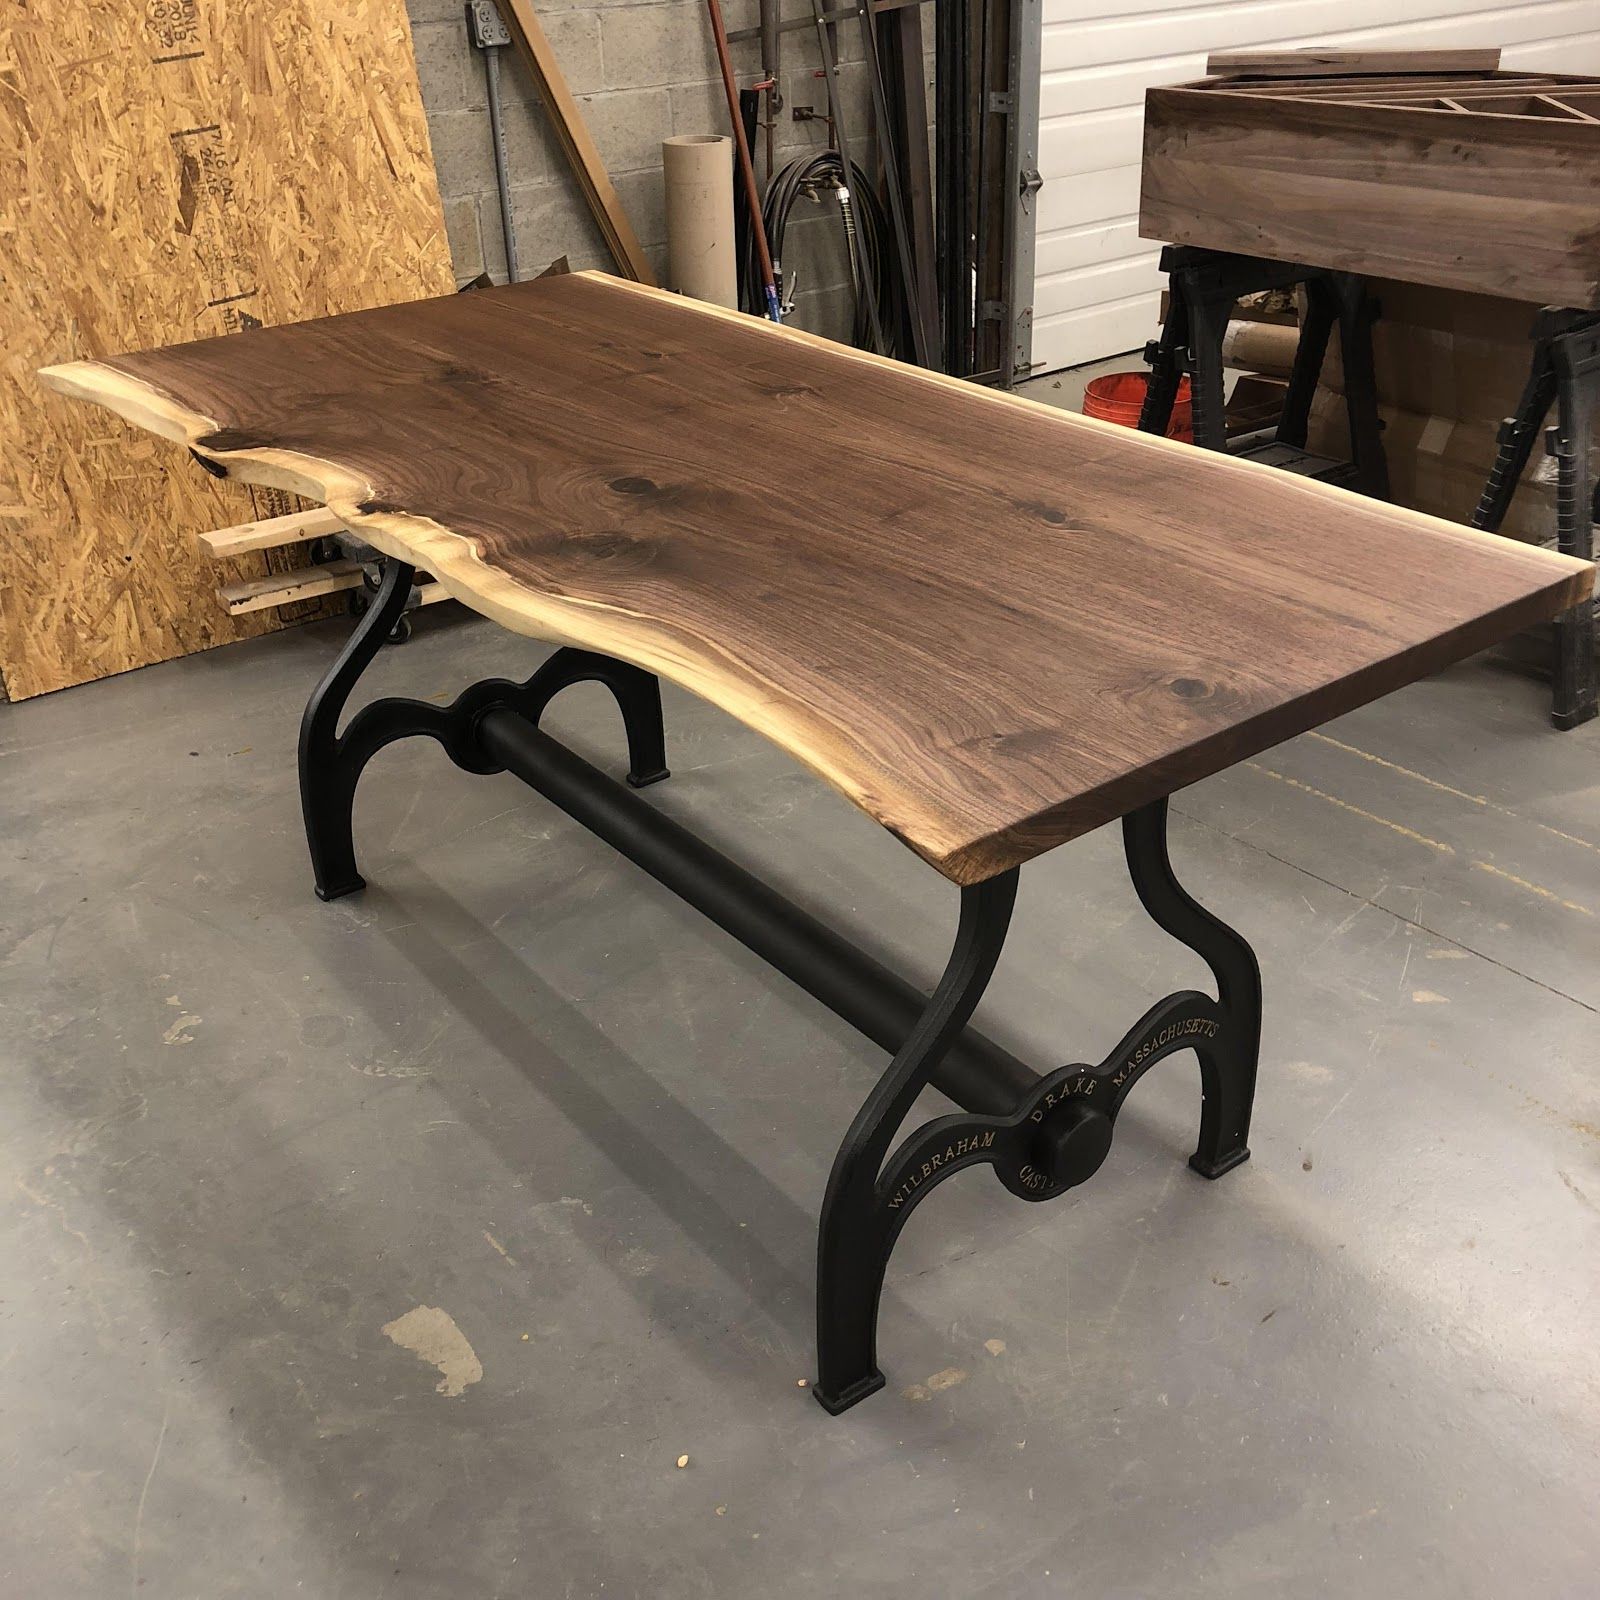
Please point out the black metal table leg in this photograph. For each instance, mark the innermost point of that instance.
(331, 763)
(1057, 1133)
(327, 778)
(1208, 327)
(1357, 312)
(1310, 355)
(857, 1232)
(1227, 1058)
(1166, 358)
(1514, 445)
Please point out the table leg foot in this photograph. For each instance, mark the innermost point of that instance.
(338, 890)
(835, 1401)
(1567, 720)
(1215, 1169)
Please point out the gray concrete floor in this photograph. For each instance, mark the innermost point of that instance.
(244, 1132)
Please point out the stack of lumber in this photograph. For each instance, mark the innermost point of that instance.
(1430, 171)
(1466, 195)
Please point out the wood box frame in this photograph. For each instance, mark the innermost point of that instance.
(1483, 181)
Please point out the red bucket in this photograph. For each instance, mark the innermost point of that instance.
(1119, 397)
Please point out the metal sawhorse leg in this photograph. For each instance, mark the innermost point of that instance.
(1565, 373)
(1204, 287)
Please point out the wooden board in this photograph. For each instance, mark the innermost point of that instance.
(1488, 182)
(173, 170)
(532, 44)
(303, 583)
(991, 624)
(1339, 63)
(271, 533)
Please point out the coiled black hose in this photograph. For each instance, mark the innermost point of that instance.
(869, 243)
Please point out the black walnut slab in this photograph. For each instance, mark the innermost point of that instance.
(992, 625)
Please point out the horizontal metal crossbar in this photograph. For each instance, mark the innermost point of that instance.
(976, 1073)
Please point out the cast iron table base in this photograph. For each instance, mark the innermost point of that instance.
(1042, 1134)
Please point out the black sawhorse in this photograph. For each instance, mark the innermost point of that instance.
(1042, 1134)
(1565, 373)
(1203, 288)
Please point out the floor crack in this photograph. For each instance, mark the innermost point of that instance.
(1410, 922)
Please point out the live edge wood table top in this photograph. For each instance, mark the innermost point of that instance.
(992, 625)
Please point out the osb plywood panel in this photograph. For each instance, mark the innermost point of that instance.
(175, 169)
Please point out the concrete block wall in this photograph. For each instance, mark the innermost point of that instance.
(640, 70)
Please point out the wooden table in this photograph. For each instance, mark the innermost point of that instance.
(992, 625)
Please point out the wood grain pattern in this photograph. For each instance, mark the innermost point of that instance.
(307, 583)
(1453, 182)
(171, 170)
(992, 625)
(1334, 63)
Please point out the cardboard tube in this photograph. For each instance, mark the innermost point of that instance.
(698, 168)
(1267, 347)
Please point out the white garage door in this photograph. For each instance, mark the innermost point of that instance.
(1095, 281)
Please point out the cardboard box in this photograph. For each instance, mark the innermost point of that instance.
(1450, 368)
(1444, 353)
(1439, 465)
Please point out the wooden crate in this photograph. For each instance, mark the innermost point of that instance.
(1476, 180)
